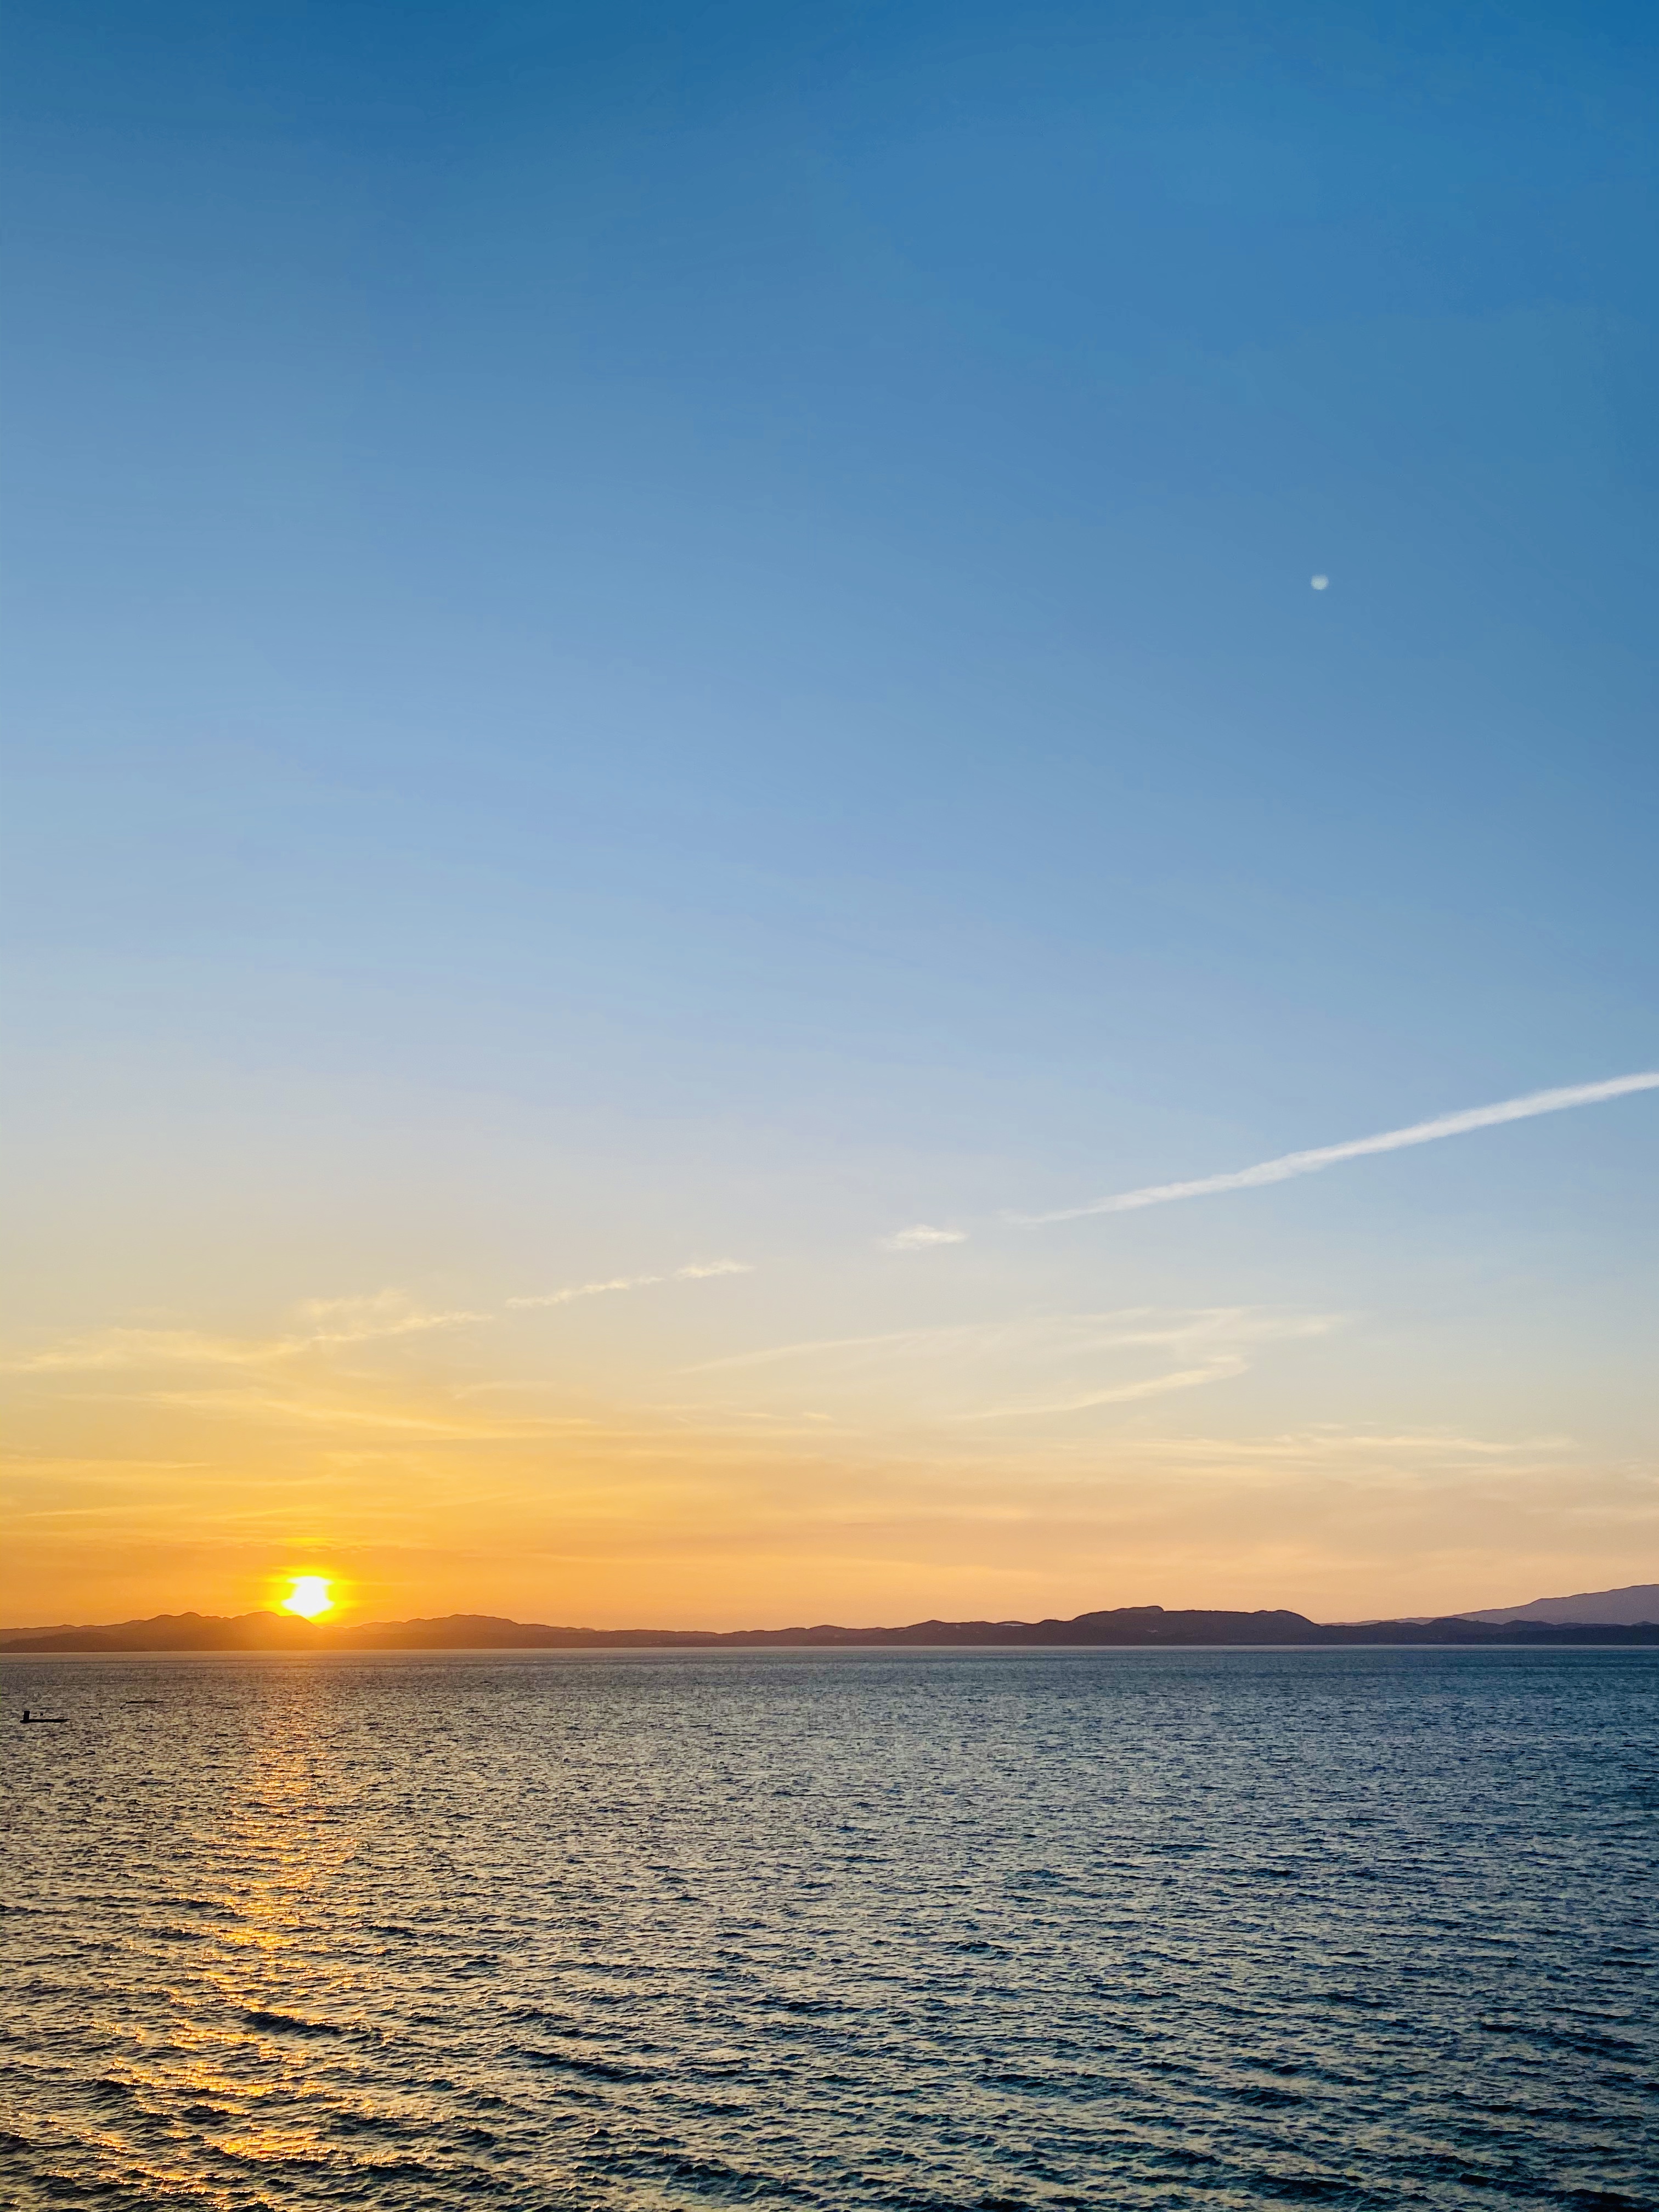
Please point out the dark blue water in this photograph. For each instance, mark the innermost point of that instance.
(978, 1930)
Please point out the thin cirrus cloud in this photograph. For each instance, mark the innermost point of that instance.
(922, 1236)
(1220, 1370)
(1290, 1165)
(333, 1323)
(986, 1372)
(330, 1325)
(695, 1271)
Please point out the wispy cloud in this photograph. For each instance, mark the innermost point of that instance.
(326, 1327)
(334, 1323)
(1331, 1445)
(1290, 1165)
(1136, 1327)
(921, 1237)
(1032, 1368)
(365, 1320)
(695, 1271)
(1220, 1370)
(575, 1291)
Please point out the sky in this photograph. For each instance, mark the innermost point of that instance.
(666, 704)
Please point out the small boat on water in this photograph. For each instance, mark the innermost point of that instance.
(44, 1720)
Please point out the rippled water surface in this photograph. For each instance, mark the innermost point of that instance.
(1206, 1928)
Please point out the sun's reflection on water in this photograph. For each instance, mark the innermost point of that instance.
(270, 1980)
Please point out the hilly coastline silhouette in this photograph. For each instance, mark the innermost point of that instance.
(1128, 1626)
(1637, 1602)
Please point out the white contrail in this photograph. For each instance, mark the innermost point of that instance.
(1328, 1156)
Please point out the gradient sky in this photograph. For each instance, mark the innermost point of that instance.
(650, 643)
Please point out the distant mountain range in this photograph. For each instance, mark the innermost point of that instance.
(1132, 1626)
(1640, 1602)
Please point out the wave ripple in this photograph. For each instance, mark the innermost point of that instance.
(919, 1931)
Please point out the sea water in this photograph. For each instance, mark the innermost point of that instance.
(1206, 1928)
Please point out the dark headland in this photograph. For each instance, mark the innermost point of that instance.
(1124, 1627)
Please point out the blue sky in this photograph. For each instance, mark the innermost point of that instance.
(652, 633)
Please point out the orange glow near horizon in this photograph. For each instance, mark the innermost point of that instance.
(310, 1596)
(840, 1477)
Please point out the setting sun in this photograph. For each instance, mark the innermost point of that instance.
(309, 1595)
